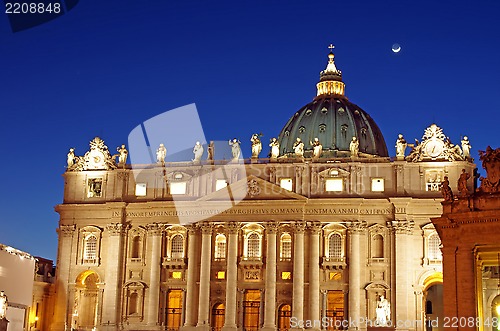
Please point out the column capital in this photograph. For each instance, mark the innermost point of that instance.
(154, 229)
(233, 227)
(271, 227)
(356, 227)
(402, 227)
(314, 227)
(191, 229)
(299, 170)
(116, 229)
(299, 226)
(66, 230)
(206, 228)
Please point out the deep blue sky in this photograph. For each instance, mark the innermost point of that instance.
(106, 66)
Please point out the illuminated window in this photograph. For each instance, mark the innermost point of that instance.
(434, 251)
(94, 188)
(335, 246)
(176, 275)
(334, 185)
(221, 274)
(253, 245)
(286, 247)
(284, 315)
(286, 275)
(286, 183)
(177, 247)
(220, 247)
(335, 276)
(220, 184)
(218, 312)
(90, 252)
(378, 185)
(178, 188)
(251, 310)
(140, 189)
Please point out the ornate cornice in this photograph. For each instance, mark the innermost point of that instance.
(115, 229)
(402, 227)
(314, 227)
(66, 230)
(232, 227)
(154, 229)
(206, 228)
(299, 226)
(356, 227)
(271, 227)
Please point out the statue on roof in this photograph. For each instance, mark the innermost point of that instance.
(97, 158)
(400, 147)
(198, 152)
(466, 148)
(71, 158)
(298, 147)
(275, 148)
(256, 145)
(317, 149)
(354, 147)
(235, 148)
(3, 305)
(210, 151)
(122, 156)
(462, 183)
(446, 189)
(161, 154)
(491, 163)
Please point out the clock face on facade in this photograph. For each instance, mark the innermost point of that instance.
(96, 159)
(434, 148)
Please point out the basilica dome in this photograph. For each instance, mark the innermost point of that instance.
(334, 120)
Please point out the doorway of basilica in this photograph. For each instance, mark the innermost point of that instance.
(433, 304)
(86, 301)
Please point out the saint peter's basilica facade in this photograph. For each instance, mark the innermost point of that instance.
(260, 243)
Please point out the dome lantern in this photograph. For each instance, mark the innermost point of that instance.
(330, 82)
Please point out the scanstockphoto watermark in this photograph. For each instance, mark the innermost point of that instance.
(174, 143)
(332, 322)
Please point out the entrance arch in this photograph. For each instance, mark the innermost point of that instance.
(433, 304)
(218, 312)
(284, 314)
(86, 300)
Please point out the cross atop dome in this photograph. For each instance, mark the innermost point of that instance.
(331, 47)
(331, 77)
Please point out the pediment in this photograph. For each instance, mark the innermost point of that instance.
(252, 188)
(334, 172)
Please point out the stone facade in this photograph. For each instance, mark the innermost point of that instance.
(129, 260)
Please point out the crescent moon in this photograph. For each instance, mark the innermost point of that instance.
(396, 48)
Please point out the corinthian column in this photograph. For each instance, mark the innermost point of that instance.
(190, 308)
(405, 303)
(314, 311)
(113, 272)
(298, 271)
(154, 236)
(206, 257)
(231, 277)
(270, 293)
(355, 230)
(60, 319)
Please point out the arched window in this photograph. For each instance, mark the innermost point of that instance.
(434, 251)
(90, 250)
(177, 247)
(253, 245)
(286, 247)
(220, 247)
(377, 246)
(136, 247)
(335, 246)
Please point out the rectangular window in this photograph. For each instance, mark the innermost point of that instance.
(176, 275)
(286, 275)
(334, 185)
(178, 188)
(335, 276)
(286, 183)
(94, 188)
(378, 185)
(220, 184)
(140, 189)
(221, 274)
